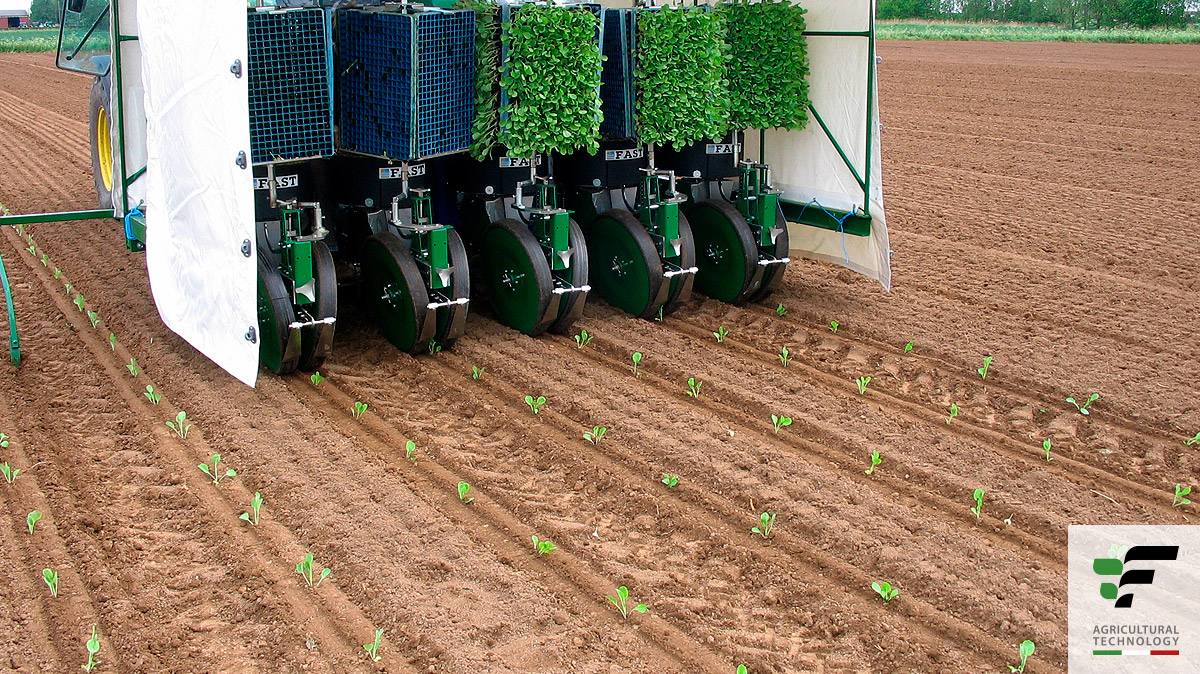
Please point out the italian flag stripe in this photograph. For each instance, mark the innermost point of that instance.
(1135, 652)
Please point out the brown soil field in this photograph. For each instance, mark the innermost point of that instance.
(1043, 202)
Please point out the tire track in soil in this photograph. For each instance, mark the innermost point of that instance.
(331, 618)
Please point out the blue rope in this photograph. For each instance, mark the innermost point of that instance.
(840, 222)
(137, 210)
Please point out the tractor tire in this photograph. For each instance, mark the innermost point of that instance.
(100, 134)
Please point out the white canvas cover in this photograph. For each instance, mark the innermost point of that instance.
(806, 165)
(133, 103)
(199, 201)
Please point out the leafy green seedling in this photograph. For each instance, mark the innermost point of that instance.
(741, 669)
(1180, 492)
(32, 250)
(32, 519)
(694, 387)
(595, 435)
(582, 339)
(1026, 650)
(833, 326)
(316, 378)
(93, 649)
(1083, 409)
(884, 589)
(766, 522)
(112, 341)
(1046, 444)
(45, 260)
(434, 347)
(255, 506)
(779, 421)
(908, 347)
(93, 317)
(50, 577)
(669, 479)
(659, 317)
(305, 569)
(543, 547)
(780, 310)
(79, 302)
(785, 356)
(180, 425)
(477, 372)
(3, 439)
(68, 287)
(152, 395)
(987, 362)
(862, 384)
(410, 448)
(636, 357)
(535, 404)
(875, 461)
(1194, 440)
(953, 412)
(621, 601)
(359, 409)
(57, 272)
(464, 489)
(214, 472)
(372, 648)
(133, 368)
(9, 472)
(721, 334)
(977, 509)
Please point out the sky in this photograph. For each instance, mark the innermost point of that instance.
(14, 4)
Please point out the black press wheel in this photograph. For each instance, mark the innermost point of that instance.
(452, 320)
(726, 253)
(517, 277)
(774, 272)
(316, 341)
(681, 285)
(628, 272)
(571, 306)
(100, 136)
(395, 292)
(276, 351)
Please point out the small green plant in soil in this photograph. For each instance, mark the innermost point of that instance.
(68, 287)
(1083, 409)
(987, 362)
(181, 426)
(908, 347)
(4, 440)
(535, 404)
(977, 509)
(670, 479)
(781, 310)
(359, 409)
(152, 395)
(255, 506)
(595, 435)
(57, 272)
(621, 601)
(79, 302)
(9, 472)
(477, 372)
(785, 356)
(741, 669)
(543, 546)
(875, 461)
(434, 348)
(93, 649)
(305, 569)
(862, 384)
(112, 341)
(32, 519)
(722, 333)
(316, 378)
(94, 318)
(50, 577)
(582, 339)
(372, 648)
(133, 368)
(636, 357)
(1025, 650)
(45, 260)
(884, 589)
(1046, 445)
(833, 326)
(953, 412)
(779, 421)
(1195, 439)
(32, 250)
(464, 488)
(1180, 492)
(694, 387)
(410, 449)
(214, 473)
(766, 523)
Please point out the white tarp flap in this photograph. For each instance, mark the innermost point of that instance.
(806, 165)
(199, 201)
(133, 109)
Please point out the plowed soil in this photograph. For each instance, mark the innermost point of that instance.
(1043, 202)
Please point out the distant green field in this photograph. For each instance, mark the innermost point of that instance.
(28, 40)
(887, 30)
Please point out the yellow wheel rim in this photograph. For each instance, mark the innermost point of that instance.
(104, 148)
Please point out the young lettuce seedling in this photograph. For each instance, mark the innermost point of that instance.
(409, 448)
(79, 302)
(953, 412)
(987, 362)
(112, 341)
(908, 347)
(57, 272)
(464, 489)
(3, 439)
(977, 509)
(535, 404)
(93, 649)
(9, 472)
(434, 348)
(372, 649)
(93, 317)
(50, 577)
(636, 357)
(766, 522)
(621, 602)
(785, 356)
(1046, 444)
(316, 378)
(884, 589)
(862, 384)
(151, 395)
(477, 372)
(1194, 440)
(779, 421)
(781, 310)
(741, 669)
(875, 461)
(133, 368)
(180, 425)
(359, 409)
(45, 260)
(543, 547)
(694, 387)
(32, 519)
(669, 479)
(305, 569)
(721, 334)
(582, 339)
(1180, 492)
(255, 506)
(214, 472)
(1083, 409)
(833, 326)
(1026, 649)
(596, 434)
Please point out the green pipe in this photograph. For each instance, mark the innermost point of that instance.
(866, 183)
(116, 32)
(64, 216)
(14, 342)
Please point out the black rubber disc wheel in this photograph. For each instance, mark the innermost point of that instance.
(395, 293)
(100, 134)
(726, 253)
(628, 271)
(774, 272)
(316, 341)
(571, 306)
(681, 285)
(274, 316)
(452, 320)
(517, 277)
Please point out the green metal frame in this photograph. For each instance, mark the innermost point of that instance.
(430, 244)
(659, 216)
(551, 224)
(14, 342)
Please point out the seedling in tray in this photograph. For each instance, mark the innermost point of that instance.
(621, 601)
(1026, 650)
(305, 569)
(694, 387)
(977, 509)
(595, 435)
(875, 461)
(180, 425)
(1180, 492)
(1083, 409)
(884, 589)
(766, 522)
(987, 362)
(255, 506)
(779, 421)
(722, 333)
(670, 479)
(535, 404)
(543, 547)
(215, 472)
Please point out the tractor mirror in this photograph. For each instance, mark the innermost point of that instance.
(76, 6)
